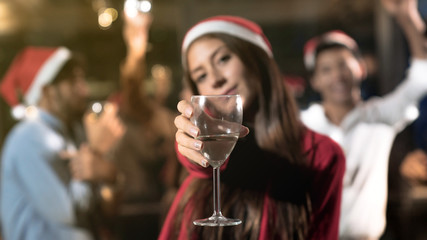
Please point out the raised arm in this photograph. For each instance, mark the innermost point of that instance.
(103, 133)
(135, 35)
(133, 68)
(407, 15)
(392, 108)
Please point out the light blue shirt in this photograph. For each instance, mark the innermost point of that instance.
(38, 197)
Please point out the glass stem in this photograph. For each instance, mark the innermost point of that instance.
(216, 192)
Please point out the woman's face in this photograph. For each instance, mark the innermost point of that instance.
(216, 70)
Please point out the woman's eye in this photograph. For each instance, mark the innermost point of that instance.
(224, 58)
(200, 78)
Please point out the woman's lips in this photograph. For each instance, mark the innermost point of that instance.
(231, 91)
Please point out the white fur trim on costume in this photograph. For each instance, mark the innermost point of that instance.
(46, 74)
(221, 26)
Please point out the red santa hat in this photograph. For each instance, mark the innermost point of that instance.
(331, 37)
(32, 68)
(232, 25)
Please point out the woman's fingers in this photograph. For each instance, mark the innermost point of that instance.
(190, 148)
(184, 140)
(182, 122)
(185, 136)
(193, 155)
(226, 127)
(185, 108)
(185, 125)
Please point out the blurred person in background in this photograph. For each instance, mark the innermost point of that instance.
(146, 153)
(364, 129)
(407, 203)
(51, 173)
(414, 206)
(160, 83)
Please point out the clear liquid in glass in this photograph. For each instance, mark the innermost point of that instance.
(217, 148)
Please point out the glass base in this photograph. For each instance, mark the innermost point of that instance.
(217, 221)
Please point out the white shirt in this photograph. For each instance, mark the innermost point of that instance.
(366, 136)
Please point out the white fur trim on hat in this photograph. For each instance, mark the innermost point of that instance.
(227, 27)
(46, 74)
(331, 37)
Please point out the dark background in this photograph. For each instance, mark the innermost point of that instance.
(287, 23)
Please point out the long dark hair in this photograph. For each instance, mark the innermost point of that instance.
(277, 123)
(278, 131)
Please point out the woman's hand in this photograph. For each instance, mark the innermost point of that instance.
(187, 132)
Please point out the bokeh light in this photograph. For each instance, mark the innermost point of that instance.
(133, 7)
(105, 20)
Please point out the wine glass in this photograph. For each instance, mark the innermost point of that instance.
(219, 119)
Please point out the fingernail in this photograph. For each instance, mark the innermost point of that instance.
(194, 132)
(198, 145)
(188, 112)
(204, 163)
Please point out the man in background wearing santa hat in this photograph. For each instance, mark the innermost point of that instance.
(49, 173)
(365, 130)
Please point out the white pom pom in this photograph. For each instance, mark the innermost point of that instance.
(18, 112)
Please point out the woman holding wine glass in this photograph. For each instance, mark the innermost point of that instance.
(282, 180)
